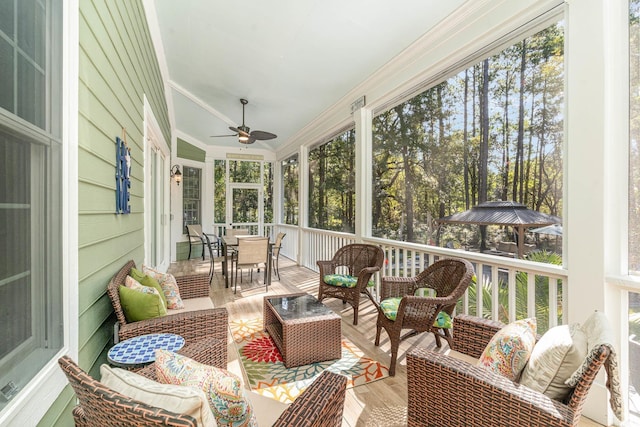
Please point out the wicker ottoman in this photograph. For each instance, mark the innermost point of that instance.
(304, 330)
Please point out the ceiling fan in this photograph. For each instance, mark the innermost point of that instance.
(244, 133)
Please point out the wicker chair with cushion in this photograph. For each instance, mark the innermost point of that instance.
(399, 308)
(446, 390)
(348, 273)
(192, 325)
(320, 405)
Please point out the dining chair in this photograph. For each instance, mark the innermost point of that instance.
(275, 252)
(212, 258)
(197, 237)
(237, 232)
(252, 252)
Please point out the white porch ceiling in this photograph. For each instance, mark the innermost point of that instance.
(292, 59)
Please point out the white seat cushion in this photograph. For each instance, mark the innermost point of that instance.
(266, 409)
(461, 356)
(193, 304)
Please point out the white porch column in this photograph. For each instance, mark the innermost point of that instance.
(593, 204)
(364, 164)
(303, 201)
(207, 195)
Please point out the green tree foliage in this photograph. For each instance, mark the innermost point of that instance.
(541, 289)
(491, 132)
(332, 184)
(290, 179)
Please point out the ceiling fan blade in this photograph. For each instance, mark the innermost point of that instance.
(262, 135)
(240, 131)
(223, 136)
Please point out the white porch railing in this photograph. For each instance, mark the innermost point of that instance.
(511, 288)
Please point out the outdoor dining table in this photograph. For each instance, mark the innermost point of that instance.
(229, 242)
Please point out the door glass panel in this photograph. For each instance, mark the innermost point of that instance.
(246, 208)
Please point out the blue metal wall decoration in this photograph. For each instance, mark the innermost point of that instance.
(123, 172)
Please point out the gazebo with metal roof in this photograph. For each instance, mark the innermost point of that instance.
(506, 213)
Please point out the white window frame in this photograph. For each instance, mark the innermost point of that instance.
(163, 181)
(34, 400)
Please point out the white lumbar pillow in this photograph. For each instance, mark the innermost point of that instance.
(558, 353)
(174, 398)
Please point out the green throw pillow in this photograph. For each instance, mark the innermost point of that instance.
(140, 306)
(390, 306)
(147, 280)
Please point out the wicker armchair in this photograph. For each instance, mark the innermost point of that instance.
(359, 260)
(191, 325)
(449, 278)
(444, 390)
(320, 405)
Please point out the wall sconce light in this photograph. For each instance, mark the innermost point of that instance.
(176, 174)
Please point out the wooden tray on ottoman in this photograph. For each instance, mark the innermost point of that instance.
(304, 330)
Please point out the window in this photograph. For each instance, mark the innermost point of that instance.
(290, 169)
(244, 171)
(268, 192)
(191, 195)
(31, 300)
(493, 131)
(220, 192)
(332, 184)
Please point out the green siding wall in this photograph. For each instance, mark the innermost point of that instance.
(118, 66)
(188, 151)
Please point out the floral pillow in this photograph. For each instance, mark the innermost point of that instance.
(223, 389)
(169, 286)
(510, 348)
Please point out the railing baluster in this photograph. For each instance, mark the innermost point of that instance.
(531, 294)
(553, 302)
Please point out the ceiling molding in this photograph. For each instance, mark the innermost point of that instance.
(199, 102)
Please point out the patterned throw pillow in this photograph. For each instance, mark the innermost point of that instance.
(169, 286)
(223, 389)
(146, 280)
(510, 348)
(390, 306)
(132, 283)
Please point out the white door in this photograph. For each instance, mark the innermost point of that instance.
(156, 200)
(245, 207)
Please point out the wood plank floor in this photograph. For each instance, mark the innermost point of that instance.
(382, 403)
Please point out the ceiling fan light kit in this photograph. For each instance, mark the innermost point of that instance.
(244, 134)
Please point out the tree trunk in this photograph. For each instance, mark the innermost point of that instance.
(465, 140)
(484, 147)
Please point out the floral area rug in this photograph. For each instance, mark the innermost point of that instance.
(268, 376)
